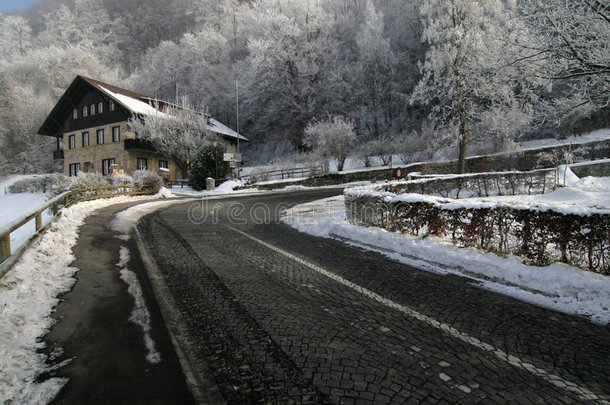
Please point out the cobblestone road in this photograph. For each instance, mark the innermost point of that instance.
(282, 317)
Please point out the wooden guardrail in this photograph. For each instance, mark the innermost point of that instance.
(8, 257)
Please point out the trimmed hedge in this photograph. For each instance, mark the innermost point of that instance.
(539, 237)
(481, 185)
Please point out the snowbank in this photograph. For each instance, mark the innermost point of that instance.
(559, 287)
(229, 186)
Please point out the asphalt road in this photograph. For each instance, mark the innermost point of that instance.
(266, 314)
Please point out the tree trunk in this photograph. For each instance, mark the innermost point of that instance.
(463, 144)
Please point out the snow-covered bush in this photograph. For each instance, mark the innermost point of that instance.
(88, 180)
(52, 184)
(32, 185)
(58, 183)
(330, 138)
(147, 178)
(121, 179)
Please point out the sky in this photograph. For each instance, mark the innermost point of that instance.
(16, 5)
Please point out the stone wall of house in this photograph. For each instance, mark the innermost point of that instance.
(90, 157)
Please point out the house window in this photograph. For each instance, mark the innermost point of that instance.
(85, 139)
(100, 136)
(142, 164)
(85, 111)
(116, 134)
(72, 142)
(163, 164)
(106, 166)
(74, 169)
(111, 105)
(75, 114)
(100, 107)
(92, 109)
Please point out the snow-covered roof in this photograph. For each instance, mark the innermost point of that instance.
(139, 107)
(134, 105)
(225, 130)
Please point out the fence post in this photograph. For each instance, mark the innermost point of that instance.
(6, 246)
(38, 221)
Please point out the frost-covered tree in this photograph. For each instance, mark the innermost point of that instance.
(162, 72)
(15, 36)
(85, 25)
(375, 68)
(330, 139)
(181, 133)
(33, 75)
(198, 67)
(470, 67)
(572, 43)
(286, 79)
(22, 110)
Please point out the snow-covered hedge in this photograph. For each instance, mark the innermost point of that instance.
(536, 233)
(481, 184)
(55, 184)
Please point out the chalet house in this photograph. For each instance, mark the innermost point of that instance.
(90, 122)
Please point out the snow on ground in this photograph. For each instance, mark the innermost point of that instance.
(559, 287)
(581, 197)
(598, 135)
(140, 314)
(28, 294)
(15, 206)
(226, 187)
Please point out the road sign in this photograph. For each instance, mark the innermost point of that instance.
(231, 157)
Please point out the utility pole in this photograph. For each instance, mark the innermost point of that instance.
(237, 110)
(237, 124)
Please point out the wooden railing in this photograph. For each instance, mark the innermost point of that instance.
(283, 174)
(172, 183)
(8, 258)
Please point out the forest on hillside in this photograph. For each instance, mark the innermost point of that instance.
(412, 76)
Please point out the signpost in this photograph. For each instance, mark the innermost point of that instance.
(231, 157)
(234, 159)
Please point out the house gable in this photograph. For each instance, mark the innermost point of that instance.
(83, 93)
